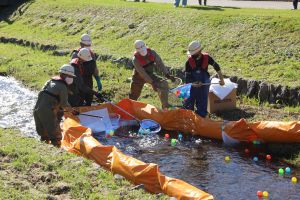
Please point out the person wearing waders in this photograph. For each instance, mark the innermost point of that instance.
(51, 100)
(196, 72)
(147, 63)
(89, 68)
(80, 93)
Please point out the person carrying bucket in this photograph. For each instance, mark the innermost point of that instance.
(51, 100)
(196, 72)
(89, 68)
(146, 64)
(80, 93)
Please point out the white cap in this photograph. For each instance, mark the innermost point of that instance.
(140, 47)
(86, 40)
(85, 54)
(194, 47)
(67, 69)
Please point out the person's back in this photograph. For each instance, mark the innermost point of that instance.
(57, 89)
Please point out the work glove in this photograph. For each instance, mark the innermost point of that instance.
(171, 77)
(75, 112)
(155, 86)
(99, 84)
(99, 96)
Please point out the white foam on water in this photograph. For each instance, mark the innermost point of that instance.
(16, 106)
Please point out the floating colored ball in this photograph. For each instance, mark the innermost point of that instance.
(294, 180)
(111, 133)
(180, 136)
(268, 157)
(173, 142)
(281, 171)
(107, 135)
(167, 136)
(265, 194)
(247, 151)
(259, 193)
(227, 158)
(287, 170)
(255, 159)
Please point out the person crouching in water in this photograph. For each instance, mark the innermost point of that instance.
(196, 72)
(53, 98)
(146, 64)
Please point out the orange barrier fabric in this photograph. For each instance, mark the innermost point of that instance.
(188, 122)
(78, 139)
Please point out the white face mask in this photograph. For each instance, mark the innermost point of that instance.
(143, 52)
(69, 80)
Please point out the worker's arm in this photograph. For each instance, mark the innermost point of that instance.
(97, 78)
(160, 64)
(216, 66)
(63, 96)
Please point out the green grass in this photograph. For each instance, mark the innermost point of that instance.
(251, 43)
(26, 164)
(34, 68)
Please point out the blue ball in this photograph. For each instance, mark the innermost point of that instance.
(287, 170)
(180, 136)
(255, 159)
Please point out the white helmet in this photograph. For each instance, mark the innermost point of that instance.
(194, 47)
(86, 40)
(67, 69)
(85, 54)
(140, 46)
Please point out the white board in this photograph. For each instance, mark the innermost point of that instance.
(96, 124)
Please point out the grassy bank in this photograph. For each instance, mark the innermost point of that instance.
(246, 42)
(34, 68)
(32, 170)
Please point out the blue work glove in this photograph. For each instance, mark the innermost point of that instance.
(99, 84)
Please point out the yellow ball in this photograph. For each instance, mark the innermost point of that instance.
(265, 194)
(294, 180)
(227, 158)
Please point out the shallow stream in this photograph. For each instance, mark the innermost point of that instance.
(197, 161)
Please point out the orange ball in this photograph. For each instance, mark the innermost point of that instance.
(259, 193)
(167, 136)
(268, 157)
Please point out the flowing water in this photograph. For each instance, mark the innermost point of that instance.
(197, 161)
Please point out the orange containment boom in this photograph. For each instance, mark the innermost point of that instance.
(78, 139)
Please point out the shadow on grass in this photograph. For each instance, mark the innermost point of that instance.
(235, 115)
(17, 8)
(215, 8)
